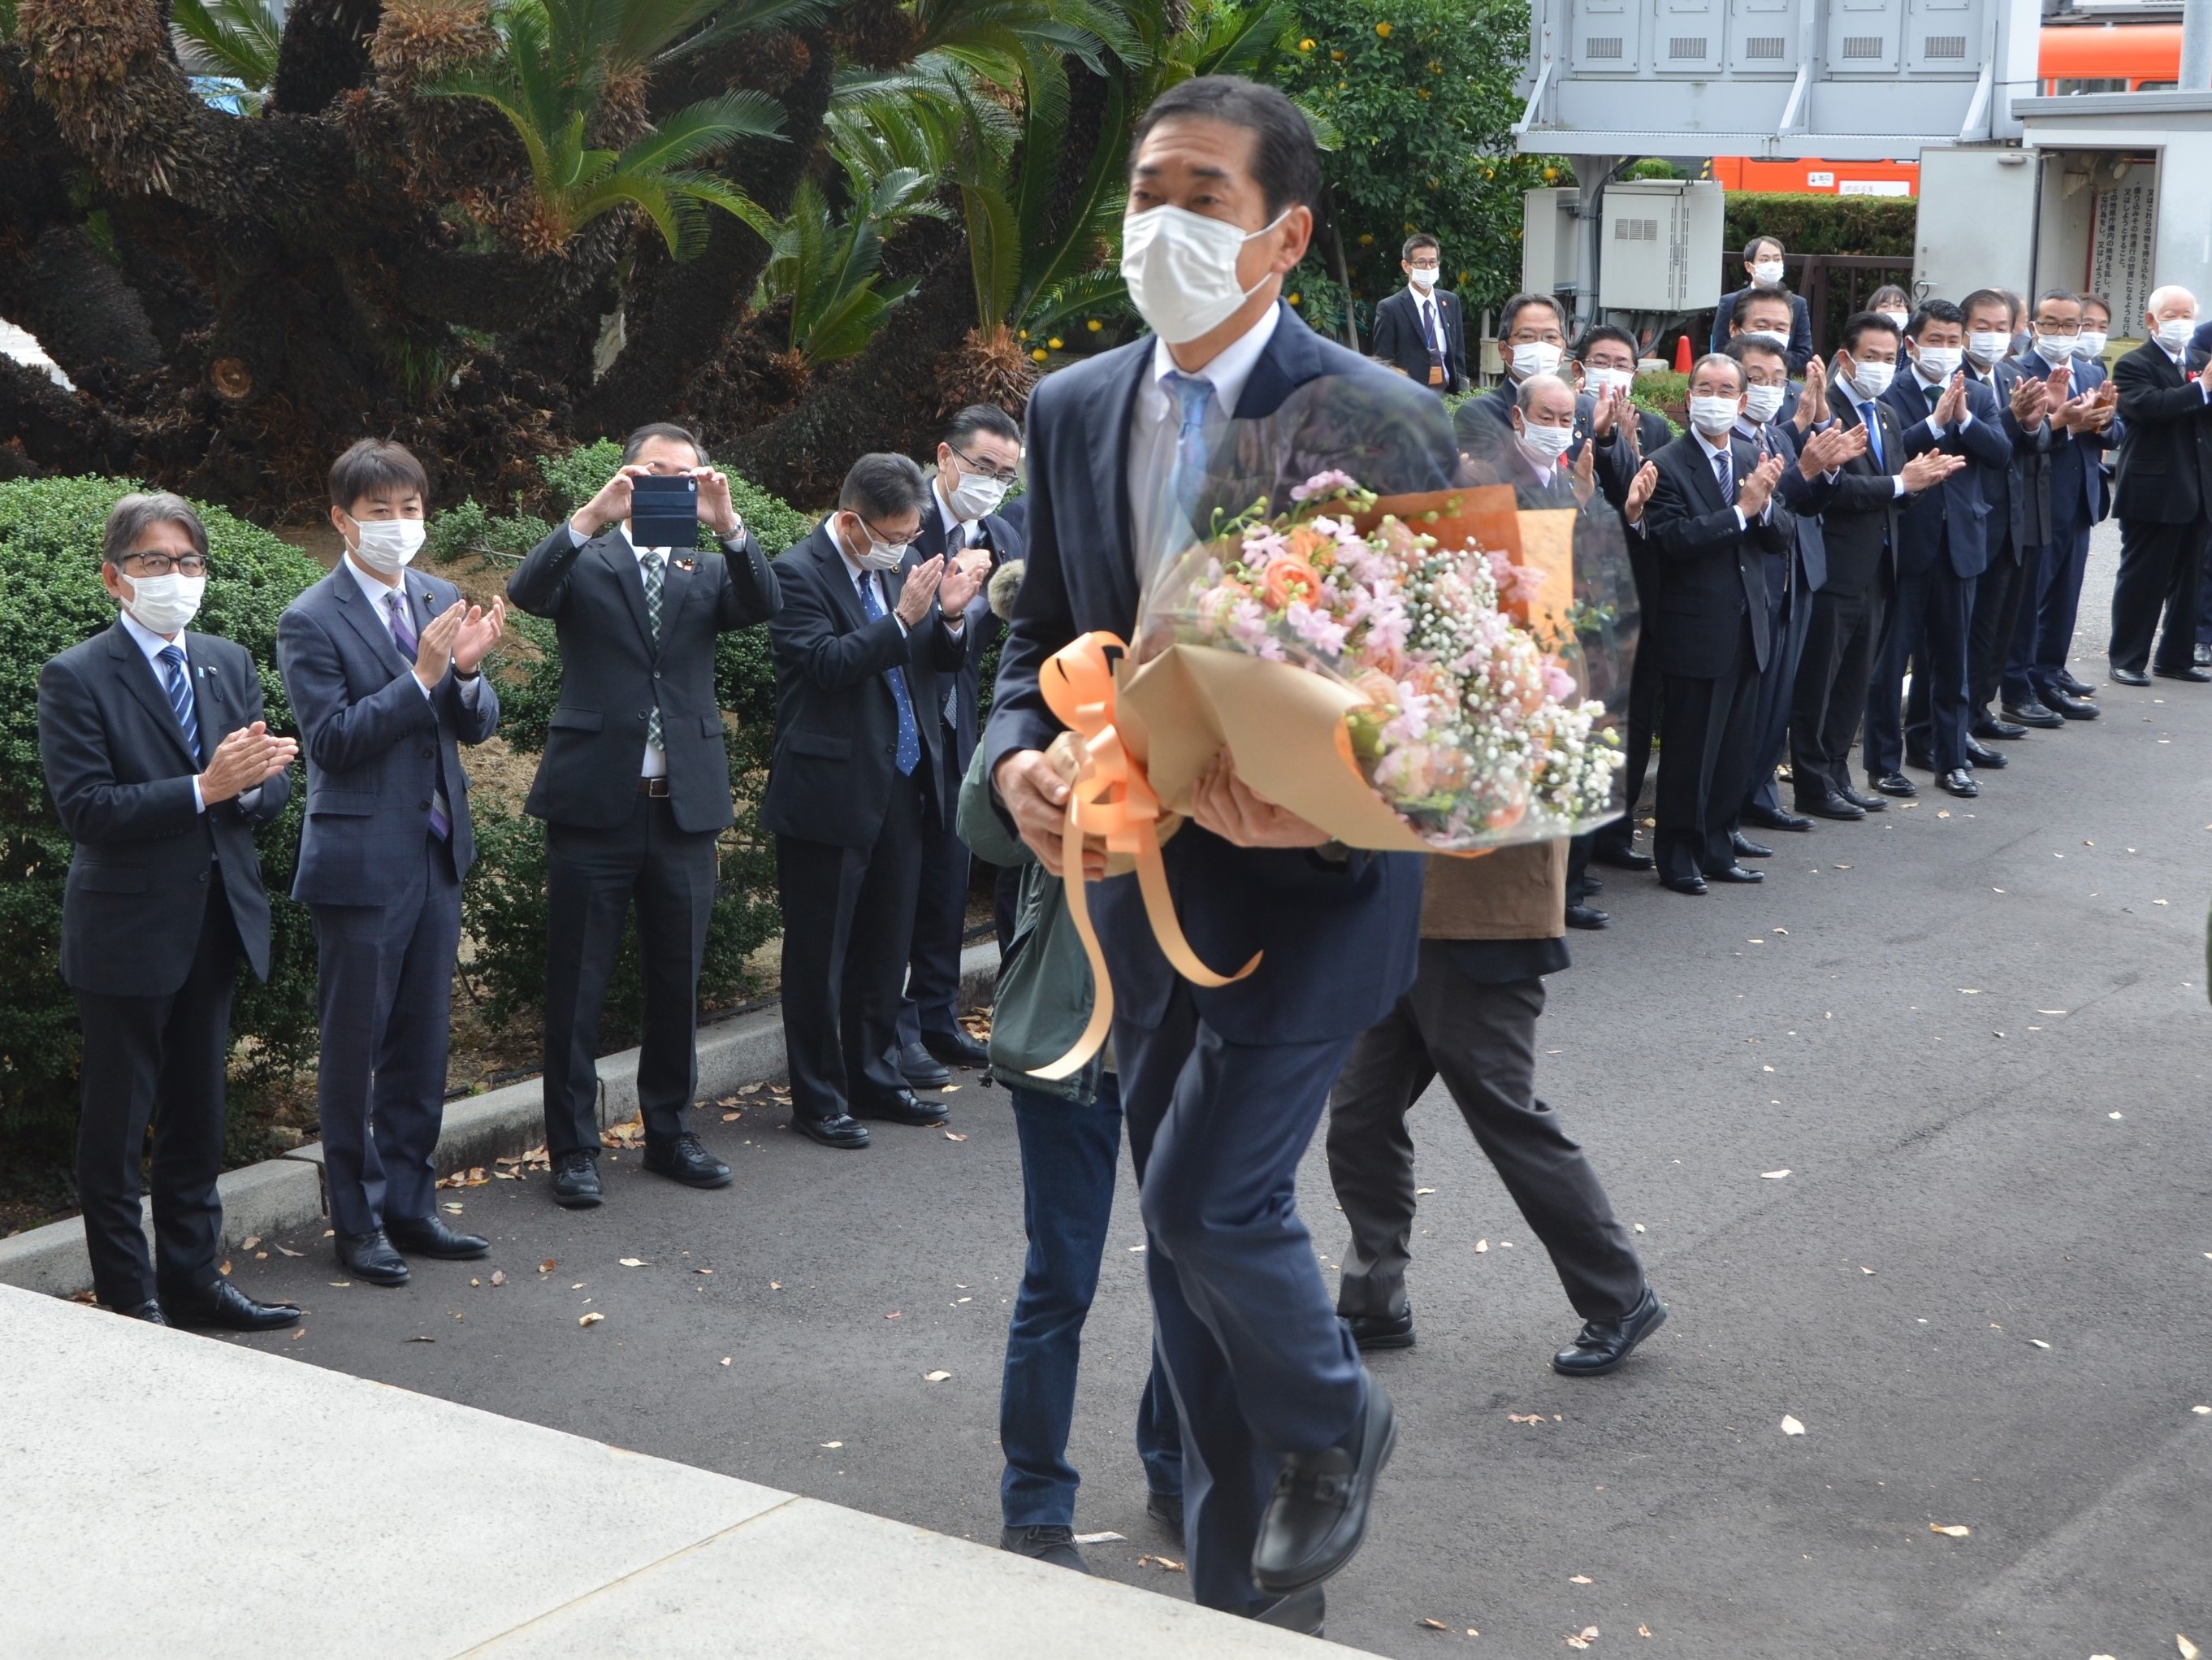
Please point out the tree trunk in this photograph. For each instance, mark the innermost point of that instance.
(324, 52)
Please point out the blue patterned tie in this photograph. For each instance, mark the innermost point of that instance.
(179, 685)
(403, 632)
(909, 737)
(1194, 394)
(1725, 473)
(1874, 433)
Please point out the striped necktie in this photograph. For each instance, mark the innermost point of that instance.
(653, 569)
(403, 635)
(179, 685)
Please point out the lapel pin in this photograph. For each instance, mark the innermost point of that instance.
(684, 564)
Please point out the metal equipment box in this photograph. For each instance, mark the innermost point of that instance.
(1660, 245)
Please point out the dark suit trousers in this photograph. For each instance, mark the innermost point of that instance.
(162, 1059)
(847, 927)
(2158, 572)
(1482, 1040)
(1705, 756)
(592, 878)
(2059, 606)
(1642, 722)
(1260, 1364)
(2017, 684)
(1790, 617)
(1930, 621)
(1998, 592)
(931, 1003)
(1831, 690)
(384, 1000)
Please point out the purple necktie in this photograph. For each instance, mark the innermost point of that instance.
(441, 823)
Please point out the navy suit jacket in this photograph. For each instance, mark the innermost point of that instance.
(1799, 352)
(121, 779)
(2073, 466)
(1952, 518)
(375, 745)
(983, 627)
(1399, 340)
(1340, 938)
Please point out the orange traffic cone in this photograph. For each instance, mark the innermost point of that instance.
(1682, 355)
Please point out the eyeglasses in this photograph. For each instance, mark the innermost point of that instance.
(161, 564)
(1009, 476)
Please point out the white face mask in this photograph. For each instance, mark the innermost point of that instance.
(1536, 357)
(2089, 344)
(1423, 278)
(1713, 416)
(387, 546)
(1938, 363)
(1985, 346)
(879, 555)
(975, 496)
(2173, 332)
(1601, 382)
(1761, 403)
(2055, 349)
(1899, 318)
(1767, 274)
(1181, 268)
(163, 604)
(1546, 444)
(1872, 379)
(1779, 342)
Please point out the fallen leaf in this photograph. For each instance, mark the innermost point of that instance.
(1772, 1175)
(2039, 1342)
(1418, 1191)
(473, 1282)
(1105, 1538)
(341, 1284)
(833, 1444)
(1644, 1631)
(1791, 1426)
(1942, 812)
(1866, 1270)
(1580, 1579)
(548, 1266)
(1949, 1529)
(954, 1135)
(1482, 1244)
(2187, 1649)
(249, 1242)
(634, 1262)
(1434, 1625)
(1782, 931)
(591, 1319)
(895, 1314)
(1518, 1418)
(297, 1335)
(776, 1284)
(261, 1257)
(454, 1209)
(935, 1377)
(726, 1360)
(1582, 1639)
(731, 1117)
(422, 1339)
(286, 1250)
(499, 1276)
(225, 1269)
(1159, 1562)
(703, 1270)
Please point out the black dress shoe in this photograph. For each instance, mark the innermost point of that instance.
(1864, 802)
(2072, 685)
(1317, 1517)
(1981, 755)
(957, 1049)
(1991, 730)
(903, 1108)
(2042, 717)
(1055, 1545)
(2129, 677)
(1587, 916)
(685, 1159)
(842, 1131)
(369, 1256)
(1591, 884)
(1604, 1344)
(1381, 1331)
(1896, 783)
(576, 1180)
(226, 1307)
(922, 1069)
(1166, 1509)
(426, 1236)
(1693, 886)
(1734, 873)
(1960, 782)
(149, 1312)
(1777, 819)
(1621, 858)
(1920, 760)
(1747, 848)
(2068, 706)
(2192, 673)
(1832, 806)
(1302, 1611)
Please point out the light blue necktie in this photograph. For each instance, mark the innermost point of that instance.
(178, 684)
(1194, 394)
(909, 736)
(1874, 433)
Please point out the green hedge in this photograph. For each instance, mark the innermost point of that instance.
(1816, 224)
(49, 599)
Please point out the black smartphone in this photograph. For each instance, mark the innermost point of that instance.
(664, 512)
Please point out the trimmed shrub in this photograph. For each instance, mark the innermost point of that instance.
(1816, 224)
(49, 599)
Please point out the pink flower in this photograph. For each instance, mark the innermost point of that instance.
(1331, 482)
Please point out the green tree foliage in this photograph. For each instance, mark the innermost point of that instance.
(826, 268)
(1422, 93)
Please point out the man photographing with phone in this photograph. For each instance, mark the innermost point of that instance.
(634, 785)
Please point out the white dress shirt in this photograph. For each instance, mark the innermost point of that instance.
(1157, 524)
(154, 645)
(1712, 452)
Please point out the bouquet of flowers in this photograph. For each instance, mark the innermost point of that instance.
(1401, 654)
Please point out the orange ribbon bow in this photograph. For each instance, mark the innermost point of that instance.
(1110, 798)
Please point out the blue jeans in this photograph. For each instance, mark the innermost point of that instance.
(1069, 1151)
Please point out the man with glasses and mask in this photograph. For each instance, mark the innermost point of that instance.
(160, 766)
(1420, 330)
(1532, 340)
(633, 788)
(978, 459)
(867, 644)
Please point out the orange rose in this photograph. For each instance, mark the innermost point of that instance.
(1285, 575)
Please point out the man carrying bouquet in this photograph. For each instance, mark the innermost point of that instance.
(1285, 1433)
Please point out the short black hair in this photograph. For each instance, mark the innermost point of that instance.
(2099, 302)
(651, 429)
(1520, 302)
(1416, 242)
(983, 418)
(1739, 313)
(1860, 322)
(1286, 162)
(372, 466)
(1751, 248)
(1743, 345)
(1936, 310)
(1729, 358)
(1607, 331)
(882, 486)
(1986, 297)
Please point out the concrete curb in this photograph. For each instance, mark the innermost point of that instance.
(281, 1193)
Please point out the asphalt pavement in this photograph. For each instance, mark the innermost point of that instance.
(1915, 1137)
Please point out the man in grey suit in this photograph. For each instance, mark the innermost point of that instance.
(161, 768)
(633, 788)
(382, 664)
